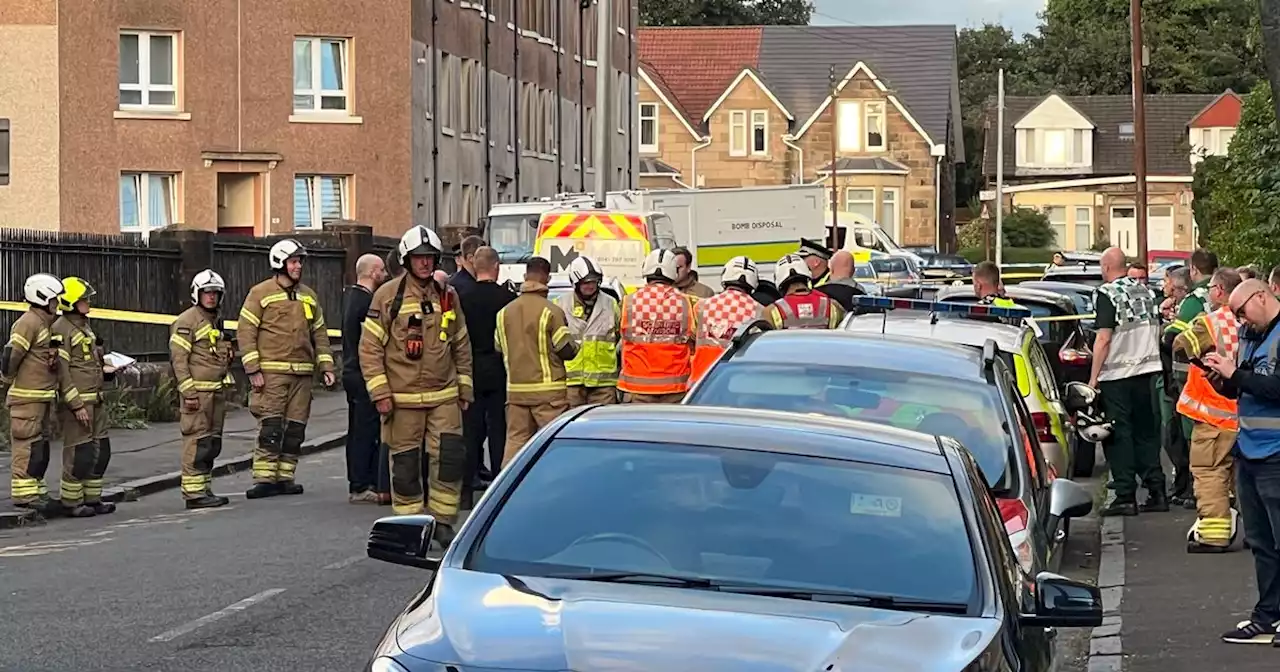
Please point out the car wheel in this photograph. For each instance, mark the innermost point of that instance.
(1086, 459)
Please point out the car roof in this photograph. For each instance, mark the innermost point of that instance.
(866, 348)
(1073, 269)
(766, 431)
(1060, 285)
(963, 331)
(1016, 292)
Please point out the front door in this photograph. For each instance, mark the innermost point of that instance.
(1160, 227)
(241, 203)
(1124, 228)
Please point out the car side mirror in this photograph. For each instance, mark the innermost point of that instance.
(1068, 499)
(1064, 603)
(403, 540)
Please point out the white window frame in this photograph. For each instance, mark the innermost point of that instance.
(314, 193)
(849, 126)
(863, 201)
(144, 84)
(466, 101)
(738, 121)
(875, 110)
(1059, 237)
(648, 114)
(549, 145)
(760, 122)
(142, 187)
(317, 92)
(894, 226)
(1087, 222)
(1038, 138)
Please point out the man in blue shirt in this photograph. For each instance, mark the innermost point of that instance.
(1255, 382)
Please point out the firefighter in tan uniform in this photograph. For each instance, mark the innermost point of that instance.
(201, 353)
(533, 337)
(29, 367)
(283, 340)
(416, 359)
(86, 448)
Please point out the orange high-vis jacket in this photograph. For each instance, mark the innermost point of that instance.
(657, 340)
(1220, 331)
(718, 319)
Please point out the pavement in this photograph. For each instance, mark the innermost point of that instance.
(146, 461)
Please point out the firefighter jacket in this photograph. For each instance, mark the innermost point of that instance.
(658, 324)
(414, 347)
(29, 362)
(534, 339)
(201, 352)
(81, 355)
(596, 329)
(805, 309)
(1217, 331)
(718, 318)
(282, 330)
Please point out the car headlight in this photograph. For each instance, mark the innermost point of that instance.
(385, 664)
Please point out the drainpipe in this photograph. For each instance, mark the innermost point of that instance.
(517, 96)
(693, 159)
(937, 207)
(435, 120)
(582, 102)
(788, 140)
(488, 118)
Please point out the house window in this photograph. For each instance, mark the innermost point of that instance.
(875, 127)
(148, 201)
(759, 132)
(861, 201)
(551, 144)
(148, 69)
(589, 139)
(449, 106)
(849, 122)
(1058, 222)
(318, 199)
(4, 152)
(320, 75)
(624, 98)
(1126, 130)
(1084, 228)
(649, 127)
(1214, 141)
(468, 101)
(737, 133)
(1054, 148)
(446, 203)
(889, 210)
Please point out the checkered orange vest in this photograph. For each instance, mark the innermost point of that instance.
(657, 341)
(718, 318)
(1199, 401)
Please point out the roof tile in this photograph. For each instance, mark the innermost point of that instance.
(696, 64)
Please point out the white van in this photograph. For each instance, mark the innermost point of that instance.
(866, 234)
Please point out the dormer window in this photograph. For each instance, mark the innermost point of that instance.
(1055, 147)
(1126, 131)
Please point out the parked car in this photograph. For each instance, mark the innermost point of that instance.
(868, 279)
(730, 541)
(1081, 273)
(1080, 294)
(946, 266)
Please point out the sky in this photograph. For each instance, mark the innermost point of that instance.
(1018, 15)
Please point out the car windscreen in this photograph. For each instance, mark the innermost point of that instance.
(884, 266)
(512, 236)
(864, 271)
(968, 411)
(1091, 279)
(734, 517)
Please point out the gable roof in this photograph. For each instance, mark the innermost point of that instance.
(1223, 111)
(1017, 123)
(1168, 148)
(653, 79)
(917, 63)
(748, 73)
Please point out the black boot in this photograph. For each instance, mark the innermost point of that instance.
(1119, 508)
(444, 535)
(103, 508)
(1194, 546)
(290, 488)
(78, 511)
(207, 502)
(1156, 502)
(262, 490)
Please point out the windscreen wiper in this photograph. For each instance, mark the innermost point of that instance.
(643, 578)
(844, 597)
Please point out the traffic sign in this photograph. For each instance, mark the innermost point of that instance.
(987, 195)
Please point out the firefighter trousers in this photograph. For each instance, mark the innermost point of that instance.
(86, 451)
(282, 408)
(580, 395)
(524, 420)
(404, 432)
(673, 398)
(30, 428)
(201, 442)
(1211, 468)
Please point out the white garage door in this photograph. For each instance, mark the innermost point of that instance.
(1124, 229)
(1160, 227)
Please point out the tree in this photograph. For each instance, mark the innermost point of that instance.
(1208, 177)
(980, 53)
(725, 12)
(1247, 192)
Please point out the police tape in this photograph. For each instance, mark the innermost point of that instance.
(135, 317)
(958, 280)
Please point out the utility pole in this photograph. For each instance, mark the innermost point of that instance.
(834, 238)
(1139, 128)
(1000, 170)
(604, 99)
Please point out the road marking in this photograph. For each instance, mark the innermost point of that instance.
(346, 563)
(216, 616)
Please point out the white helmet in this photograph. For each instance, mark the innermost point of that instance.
(42, 289)
(584, 268)
(790, 268)
(1093, 427)
(419, 241)
(207, 281)
(284, 250)
(660, 265)
(741, 271)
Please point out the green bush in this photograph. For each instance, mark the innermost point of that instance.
(122, 412)
(1022, 227)
(1243, 193)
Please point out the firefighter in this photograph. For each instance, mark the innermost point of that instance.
(800, 307)
(29, 367)
(283, 340)
(595, 321)
(1214, 433)
(201, 353)
(720, 316)
(658, 327)
(416, 359)
(86, 449)
(534, 339)
(816, 258)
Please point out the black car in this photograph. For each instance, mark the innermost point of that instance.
(946, 266)
(1085, 274)
(677, 538)
(1062, 333)
(921, 384)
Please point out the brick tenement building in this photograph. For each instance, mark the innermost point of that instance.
(753, 105)
(268, 117)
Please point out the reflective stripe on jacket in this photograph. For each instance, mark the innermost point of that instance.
(805, 310)
(1135, 340)
(1218, 331)
(657, 341)
(718, 318)
(200, 353)
(282, 330)
(1259, 436)
(597, 335)
(30, 360)
(535, 343)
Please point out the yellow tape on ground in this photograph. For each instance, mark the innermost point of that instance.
(134, 317)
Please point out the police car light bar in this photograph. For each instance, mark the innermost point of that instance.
(889, 303)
